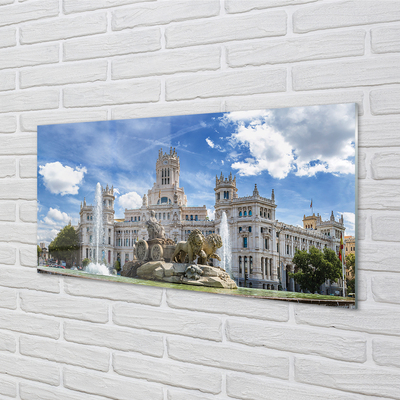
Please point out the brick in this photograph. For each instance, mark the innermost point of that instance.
(24, 56)
(7, 211)
(17, 232)
(66, 353)
(298, 340)
(385, 101)
(28, 256)
(65, 73)
(66, 307)
(279, 100)
(374, 320)
(8, 167)
(18, 13)
(229, 357)
(29, 279)
(28, 211)
(167, 62)
(386, 352)
(361, 289)
(379, 258)
(7, 254)
(165, 109)
(219, 30)
(24, 367)
(107, 290)
(114, 338)
(387, 126)
(237, 6)
(344, 74)
(30, 324)
(385, 39)
(28, 100)
(8, 387)
(344, 13)
(384, 288)
(8, 37)
(247, 387)
(380, 195)
(296, 49)
(7, 343)
(7, 80)
(230, 305)
(115, 44)
(362, 169)
(225, 84)
(385, 227)
(29, 391)
(168, 372)
(4, 2)
(63, 28)
(71, 6)
(31, 120)
(162, 13)
(116, 93)
(111, 386)
(180, 394)
(18, 189)
(8, 124)
(386, 165)
(348, 377)
(28, 167)
(8, 297)
(181, 323)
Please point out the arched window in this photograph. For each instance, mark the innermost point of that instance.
(249, 228)
(240, 213)
(191, 217)
(240, 264)
(250, 213)
(196, 218)
(251, 264)
(240, 229)
(245, 242)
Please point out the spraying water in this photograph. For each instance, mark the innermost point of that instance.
(96, 267)
(225, 251)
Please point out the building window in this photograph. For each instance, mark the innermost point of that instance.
(88, 217)
(245, 242)
(249, 228)
(287, 249)
(138, 218)
(260, 213)
(163, 215)
(250, 213)
(251, 264)
(196, 218)
(109, 240)
(191, 217)
(168, 216)
(187, 217)
(245, 213)
(240, 264)
(240, 213)
(266, 243)
(240, 229)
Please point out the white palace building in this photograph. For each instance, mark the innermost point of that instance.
(262, 247)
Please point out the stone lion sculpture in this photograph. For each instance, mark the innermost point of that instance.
(198, 246)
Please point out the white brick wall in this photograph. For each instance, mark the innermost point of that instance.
(85, 60)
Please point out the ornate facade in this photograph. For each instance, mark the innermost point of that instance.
(262, 247)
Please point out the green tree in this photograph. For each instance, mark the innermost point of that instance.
(351, 268)
(65, 246)
(117, 265)
(313, 268)
(85, 262)
(39, 251)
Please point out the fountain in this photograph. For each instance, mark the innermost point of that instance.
(225, 251)
(95, 266)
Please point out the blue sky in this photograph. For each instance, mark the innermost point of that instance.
(302, 153)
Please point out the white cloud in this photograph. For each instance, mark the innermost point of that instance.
(56, 217)
(60, 179)
(130, 200)
(210, 143)
(269, 149)
(305, 140)
(211, 213)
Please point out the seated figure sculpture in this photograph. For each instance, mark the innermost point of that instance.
(154, 228)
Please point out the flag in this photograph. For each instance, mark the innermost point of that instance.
(311, 204)
(341, 248)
